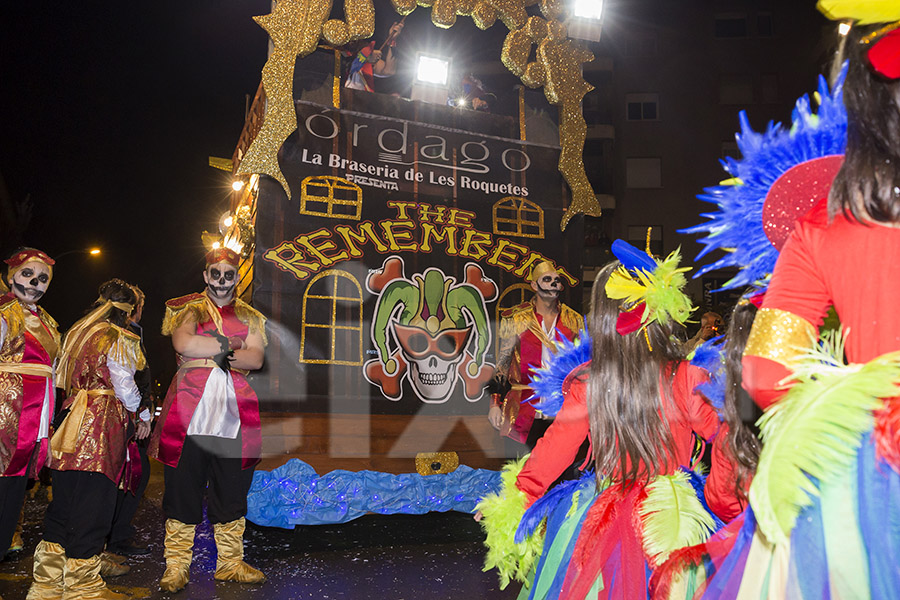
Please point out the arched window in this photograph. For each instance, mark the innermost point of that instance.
(515, 216)
(331, 326)
(514, 295)
(332, 197)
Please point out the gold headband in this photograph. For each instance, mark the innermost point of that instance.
(123, 306)
(543, 268)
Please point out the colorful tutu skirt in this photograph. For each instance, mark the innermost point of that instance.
(846, 545)
(604, 542)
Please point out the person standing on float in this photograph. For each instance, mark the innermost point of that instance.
(29, 342)
(208, 434)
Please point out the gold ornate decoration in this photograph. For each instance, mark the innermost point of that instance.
(517, 216)
(436, 463)
(320, 190)
(352, 304)
(296, 26)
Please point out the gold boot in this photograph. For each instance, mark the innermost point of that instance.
(17, 543)
(230, 565)
(83, 581)
(49, 564)
(110, 567)
(179, 543)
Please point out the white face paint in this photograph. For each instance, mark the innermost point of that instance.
(221, 279)
(548, 286)
(30, 282)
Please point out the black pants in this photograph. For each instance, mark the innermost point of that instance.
(127, 503)
(207, 461)
(81, 513)
(12, 495)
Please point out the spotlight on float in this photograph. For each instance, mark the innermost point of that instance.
(237, 185)
(844, 28)
(585, 22)
(430, 84)
(225, 222)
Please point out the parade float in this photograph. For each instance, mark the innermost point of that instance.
(383, 237)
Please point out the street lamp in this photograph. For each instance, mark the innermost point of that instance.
(92, 251)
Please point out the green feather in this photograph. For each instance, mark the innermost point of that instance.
(501, 516)
(815, 430)
(672, 517)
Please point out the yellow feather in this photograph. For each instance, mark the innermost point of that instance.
(862, 11)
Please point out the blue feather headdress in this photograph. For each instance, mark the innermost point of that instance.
(739, 227)
(547, 381)
(710, 357)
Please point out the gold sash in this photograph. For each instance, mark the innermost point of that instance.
(36, 328)
(33, 369)
(66, 437)
(208, 363)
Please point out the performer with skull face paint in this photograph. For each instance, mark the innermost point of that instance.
(208, 431)
(527, 334)
(29, 341)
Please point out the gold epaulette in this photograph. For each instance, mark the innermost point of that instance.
(122, 346)
(13, 313)
(571, 318)
(252, 318)
(179, 309)
(514, 321)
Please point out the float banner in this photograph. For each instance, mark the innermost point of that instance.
(385, 272)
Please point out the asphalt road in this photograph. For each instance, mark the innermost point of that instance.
(435, 556)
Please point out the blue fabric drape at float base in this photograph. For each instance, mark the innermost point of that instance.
(294, 494)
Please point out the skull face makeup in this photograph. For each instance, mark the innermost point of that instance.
(221, 279)
(548, 286)
(30, 281)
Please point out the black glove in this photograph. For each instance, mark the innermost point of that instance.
(222, 359)
(498, 384)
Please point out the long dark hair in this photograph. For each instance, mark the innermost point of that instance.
(868, 184)
(117, 291)
(742, 443)
(631, 440)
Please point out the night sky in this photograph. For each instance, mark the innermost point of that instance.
(110, 111)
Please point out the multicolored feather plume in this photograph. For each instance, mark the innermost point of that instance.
(547, 381)
(673, 517)
(813, 433)
(502, 513)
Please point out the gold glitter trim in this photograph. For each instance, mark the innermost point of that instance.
(522, 133)
(779, 336)
(436, 463)
(336, 83)
(518, 217)
(318, 197)
(350, 306)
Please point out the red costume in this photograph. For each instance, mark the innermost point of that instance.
(522, 343)
(237, 320)
(557, 449)
(27, 352)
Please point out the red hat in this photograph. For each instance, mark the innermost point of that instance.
(28, 255)
(225, 255)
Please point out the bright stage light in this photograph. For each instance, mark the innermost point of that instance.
(588, 9)
(237, 185)
(432, 70)
(216, 245)
(844, 28)
(94, 251)
(585, 22)
(229, 221)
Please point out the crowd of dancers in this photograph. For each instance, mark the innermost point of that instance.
(810, 507)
